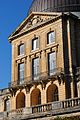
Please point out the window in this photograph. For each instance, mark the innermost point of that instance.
(51, 63)
(55, 95)
(51, 37)
(35, 44)
(21, 49)
(35, 68)
(7, 105)
(21, 72)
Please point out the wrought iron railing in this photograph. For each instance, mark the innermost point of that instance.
(38, 77)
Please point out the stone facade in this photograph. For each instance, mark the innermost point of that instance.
(30, 96)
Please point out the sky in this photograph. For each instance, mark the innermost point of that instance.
(12, 13)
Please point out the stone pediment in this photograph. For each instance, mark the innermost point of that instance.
(32, 20)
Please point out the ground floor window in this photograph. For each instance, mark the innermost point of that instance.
(20, 100)
(35, 97)
(52, 93)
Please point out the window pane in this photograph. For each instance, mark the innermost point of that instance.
(52, 63)
(7, 105)
(51, 37)
(21, 72)
(35, 44)
(35, 67)
(21, 49)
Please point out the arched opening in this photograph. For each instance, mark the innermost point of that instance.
(20, 100)
(35, 97)
(52, 93)
(7, 105)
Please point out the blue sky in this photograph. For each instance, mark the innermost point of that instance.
(12, 13)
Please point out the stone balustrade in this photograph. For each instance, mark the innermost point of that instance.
(57, 107)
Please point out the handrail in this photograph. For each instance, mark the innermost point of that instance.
(68, 105)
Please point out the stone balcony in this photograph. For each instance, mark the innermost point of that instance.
(65, 107)
(47, 75)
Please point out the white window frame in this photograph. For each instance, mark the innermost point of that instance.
(35, 68)
(51, 40)
(21, 71)
(35, 44)
(52, 64)
(21, 46)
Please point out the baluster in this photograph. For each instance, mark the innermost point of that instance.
(63, 106)
(43, 109)
(78, 101)
(47, 107)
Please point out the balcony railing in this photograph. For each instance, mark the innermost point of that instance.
(36, 78)
(54, 108)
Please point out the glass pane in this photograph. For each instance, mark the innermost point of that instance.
(36, 68)
(51, 37)
(52, 63)
(7, 105)
(35, 44)
(21, 49)
(21, 72)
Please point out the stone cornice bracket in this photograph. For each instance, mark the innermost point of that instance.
(13, 91)
(57, 47)
(27, 88)
(25, 59)
(61, 78)
(30, 58)
(43, 84)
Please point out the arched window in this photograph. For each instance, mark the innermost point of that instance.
(52, 93)
(35, 97)
(7, 105)
(20, 100)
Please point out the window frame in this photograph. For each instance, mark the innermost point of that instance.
(20, 79)
(49, 70)
(35, 76)
(7, 104)
(48, 41)
(19, 51)
(37, 44)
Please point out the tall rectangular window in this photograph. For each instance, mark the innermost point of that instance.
(35, 68)
(35, 44)
(21, 49)
(21, 72)
(7, 105)
(51, 63)
(51, 37)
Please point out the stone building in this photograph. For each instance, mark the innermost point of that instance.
(45, 67)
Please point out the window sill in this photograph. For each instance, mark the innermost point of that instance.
(37, 49)
(50, 44)
(20, 57)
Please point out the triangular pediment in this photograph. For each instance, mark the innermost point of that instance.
(32, 20)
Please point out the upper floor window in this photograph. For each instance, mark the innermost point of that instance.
(51, 63)
(21, 72)
(21, 49)
(51, 37)
(35, 68)
(35, 44)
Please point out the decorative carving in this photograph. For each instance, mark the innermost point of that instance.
(27, 88)
(13, 91)
(43, 84)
